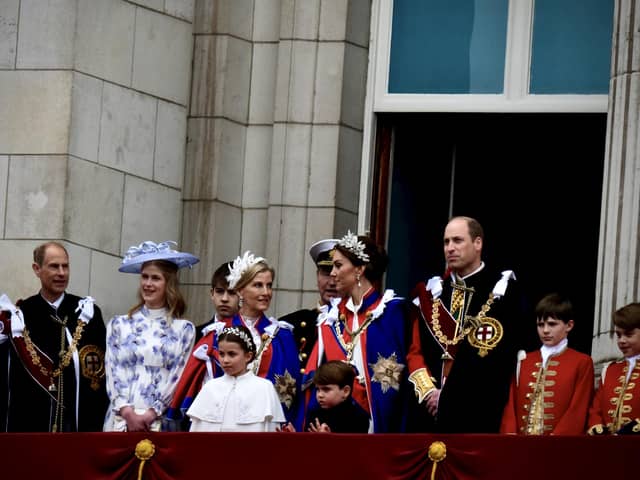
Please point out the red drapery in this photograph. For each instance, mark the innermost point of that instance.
(315, 456)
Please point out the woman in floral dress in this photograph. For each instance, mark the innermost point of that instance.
(148, 347)
(367, 329)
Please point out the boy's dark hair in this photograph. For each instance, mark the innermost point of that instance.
(335, 372)
(219, 278)
(556, 306)
(627, 317)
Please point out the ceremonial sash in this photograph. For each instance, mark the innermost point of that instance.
(42, 374)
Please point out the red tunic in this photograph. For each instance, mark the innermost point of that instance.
(617, 401)
(553, 400)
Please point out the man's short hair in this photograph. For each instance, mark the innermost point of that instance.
(41, 250)
(473, 225)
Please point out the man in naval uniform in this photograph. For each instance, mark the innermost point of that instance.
(53, 351)
(467, 329)
(304, 321)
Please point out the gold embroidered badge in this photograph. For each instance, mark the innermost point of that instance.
(286, 388)
(486, 335)
(387, 372)
(92, 364)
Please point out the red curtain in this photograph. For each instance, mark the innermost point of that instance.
(315, 456)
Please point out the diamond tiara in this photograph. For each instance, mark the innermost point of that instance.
(239, 333)
(355, 246)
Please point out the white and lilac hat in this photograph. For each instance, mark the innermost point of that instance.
(137, 255)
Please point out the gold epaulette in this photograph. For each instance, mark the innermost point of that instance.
(423, 384)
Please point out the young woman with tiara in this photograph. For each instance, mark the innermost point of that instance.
(238, 401)
(367, 329)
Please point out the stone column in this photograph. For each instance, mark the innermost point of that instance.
(230, 132)
(317, 138)
(275, 134)
(619, 256)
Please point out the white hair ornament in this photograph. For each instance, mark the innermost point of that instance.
(241, 265)
(238, 333)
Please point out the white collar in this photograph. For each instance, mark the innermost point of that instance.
(157, 312)
(548, 352)
(239, 378)
(250, 321)
(455, 275)
(632, 361)
(354, 308)
(55, 304)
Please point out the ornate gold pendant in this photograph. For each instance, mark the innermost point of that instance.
(92, 364)
(486, 335)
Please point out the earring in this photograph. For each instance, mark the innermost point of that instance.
(358, 279)
(240, 299)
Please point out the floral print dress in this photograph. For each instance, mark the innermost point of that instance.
(145, 356)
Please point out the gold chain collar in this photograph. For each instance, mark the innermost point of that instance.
(435, 322)
(65, 356)
(348, 346)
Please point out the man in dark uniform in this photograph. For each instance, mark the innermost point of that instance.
(467, 329)
(55, 355)
(304, 321)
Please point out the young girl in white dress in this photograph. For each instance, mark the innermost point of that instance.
(239, 401)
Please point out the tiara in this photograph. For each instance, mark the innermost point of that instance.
(238, 333)
(355, 246)
(241, 265)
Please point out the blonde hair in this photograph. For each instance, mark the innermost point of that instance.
(250, 273)
(176, 304)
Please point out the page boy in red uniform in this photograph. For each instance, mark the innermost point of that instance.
(553, 386)
(616, 405)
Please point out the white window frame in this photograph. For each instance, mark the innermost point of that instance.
(515, 98)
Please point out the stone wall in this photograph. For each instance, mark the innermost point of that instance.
(92, 135)
(275, 135)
